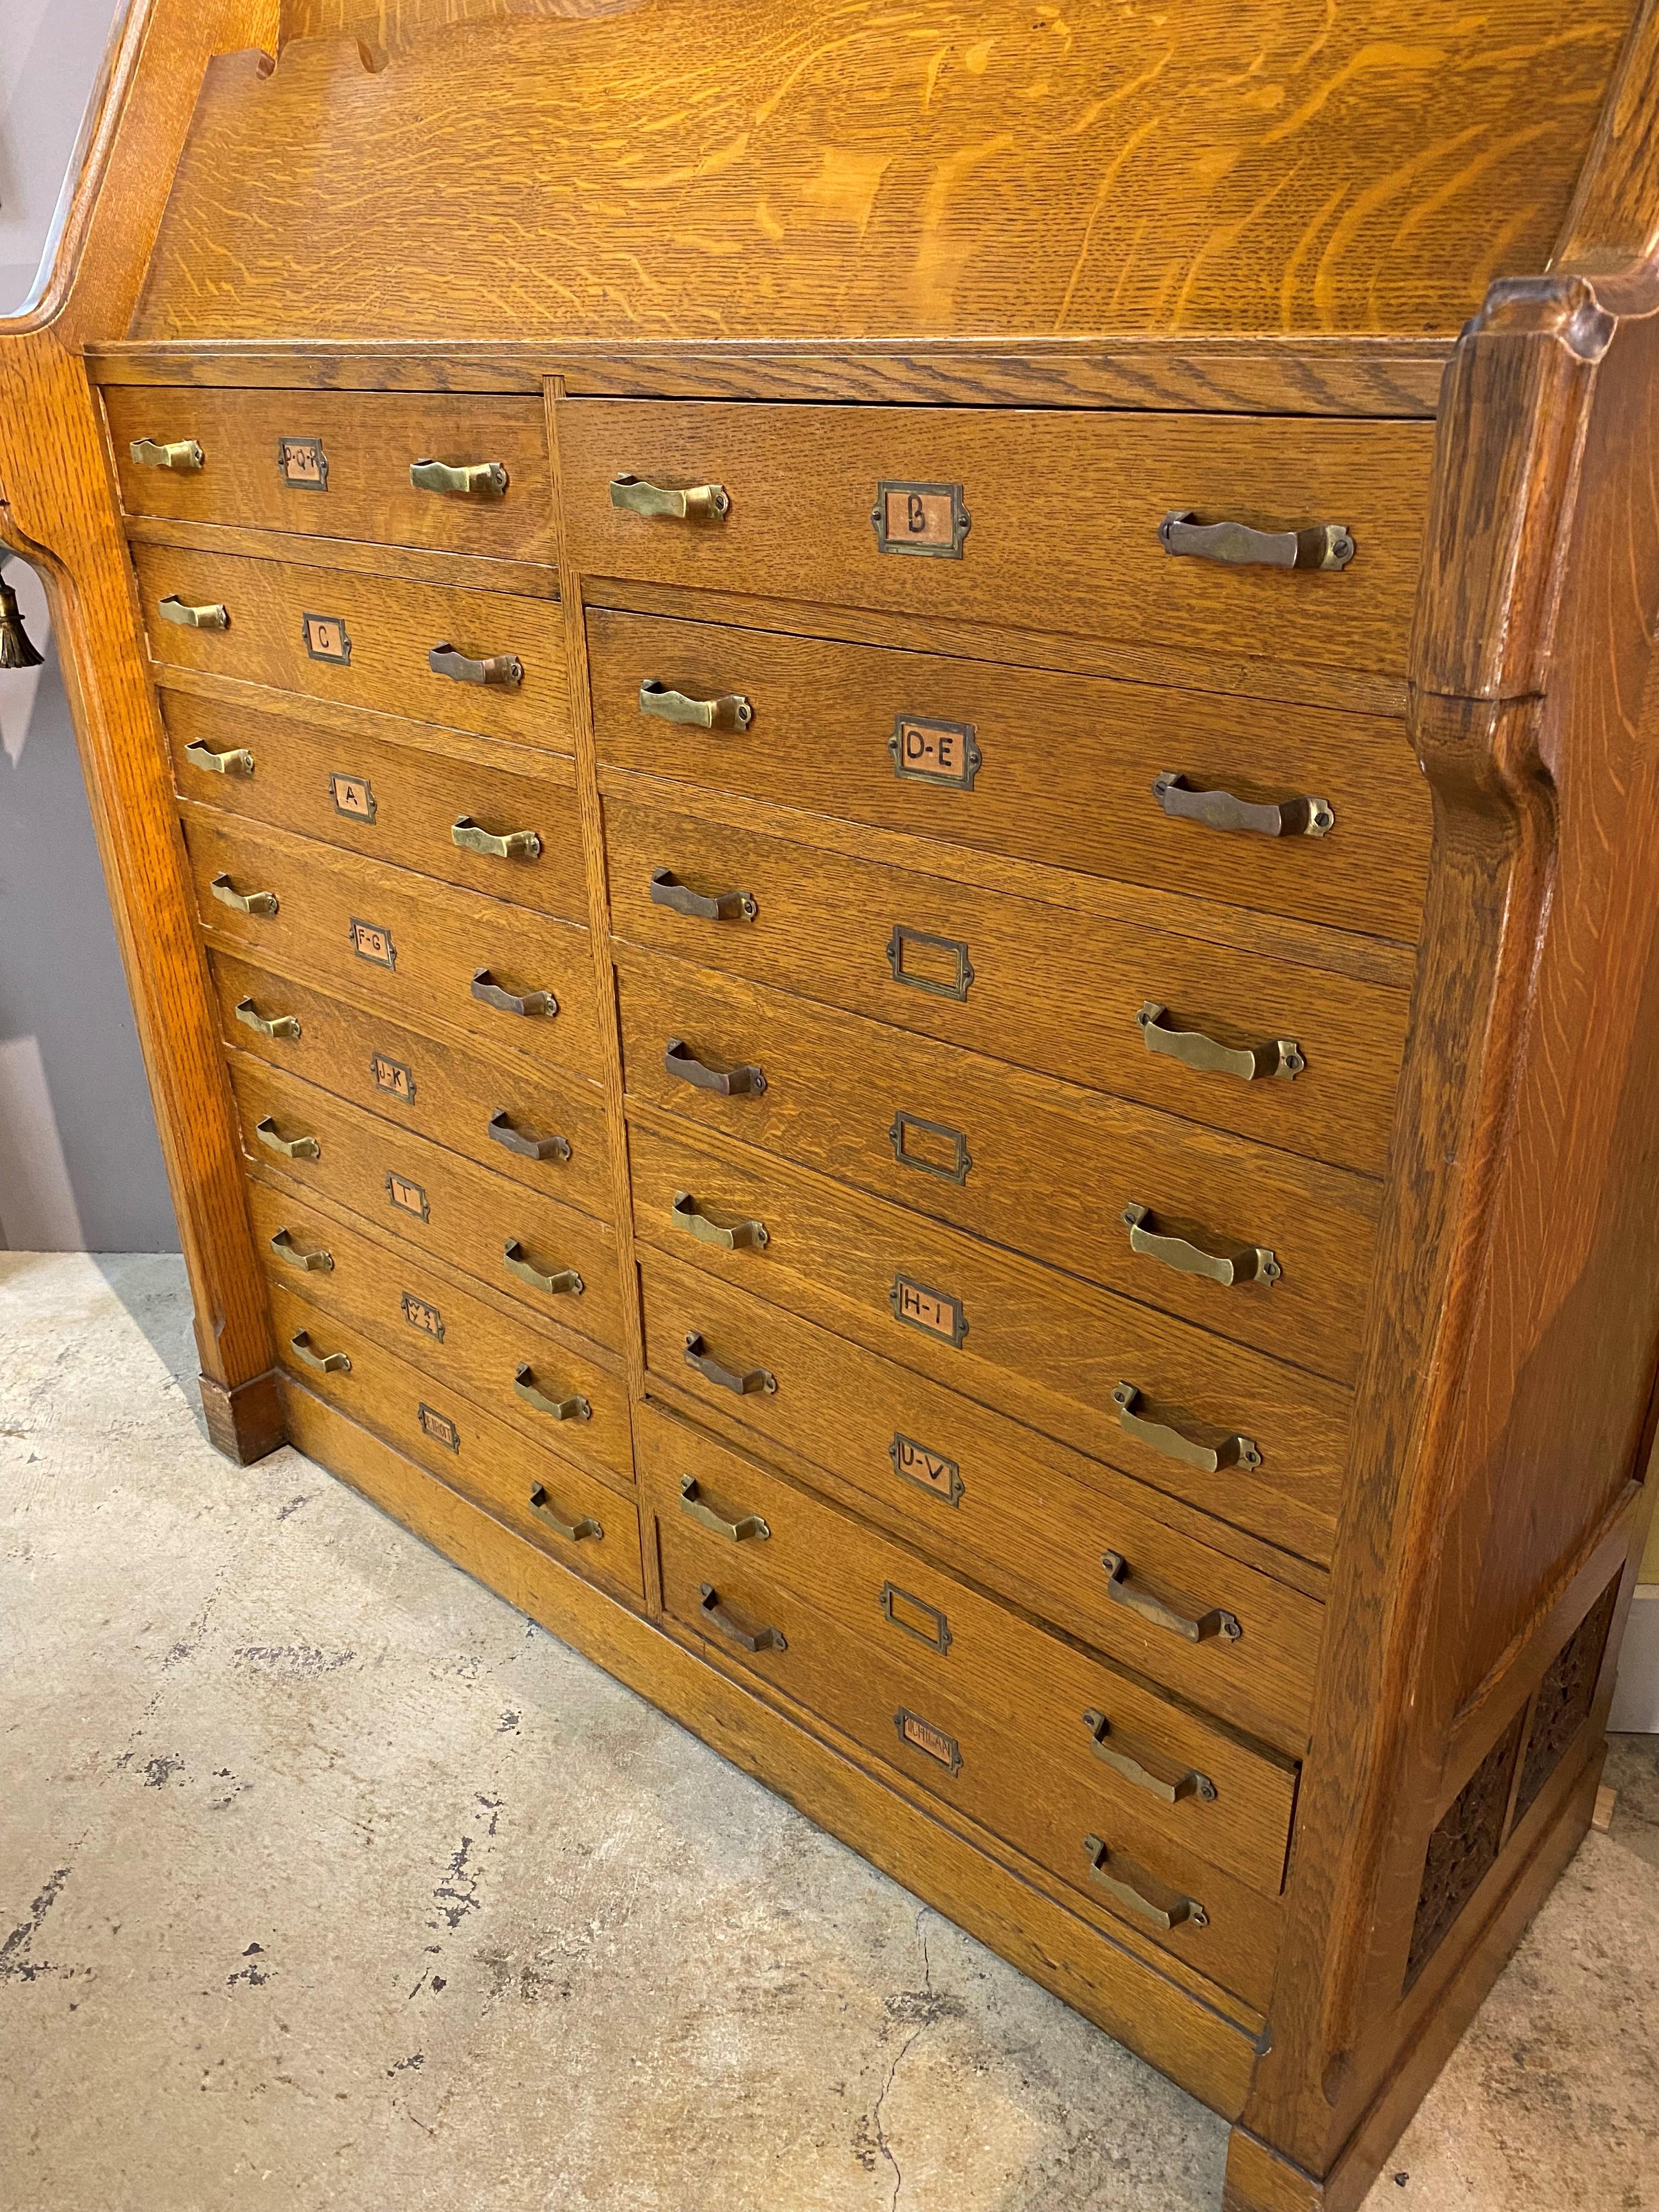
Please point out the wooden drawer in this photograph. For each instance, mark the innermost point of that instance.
(458, 1098)
(441, 1204)
(397, 802)
(388, 628)
(1010, 1509)
(1039, 1346)
(422, 1313)
(538, 1494)
(1064, 512)
(1033, 1164)
(1057, 769)
(402, 941)
(368, 440)
(1041, 986)
(979, 1706)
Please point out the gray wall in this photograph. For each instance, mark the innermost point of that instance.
(80, 1167)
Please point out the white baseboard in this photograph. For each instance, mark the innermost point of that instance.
(1636, 1697)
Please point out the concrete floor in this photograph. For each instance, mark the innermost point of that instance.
(333, 1882)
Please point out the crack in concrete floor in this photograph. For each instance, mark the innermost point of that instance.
(337, 1883)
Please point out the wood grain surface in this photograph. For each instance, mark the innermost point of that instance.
(395, 802)
(1066, 764)
(721, 167)
(1055, 991)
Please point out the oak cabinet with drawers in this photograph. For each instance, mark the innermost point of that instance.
(893, 906)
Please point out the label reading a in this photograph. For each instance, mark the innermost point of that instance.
(935, 753)
(929, 1470)
(920, 518)
(441, 1430)
(353, 795)
(303, 462)
(936, 1313)
(419, 1315)
(370, 942)
(391, 1075)
(326, 639)
(913, 1729)
(409, 1196)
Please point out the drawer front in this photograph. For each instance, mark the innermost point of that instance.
(408, 944)
(1037, 1166)
(992, 1500)
(1041, 986)
(1058, 770)
(1015, 1336)
(557, 1261)
(563, 1508)
(1061, 521)
(362, 641)
(986, 1716)
(545, 1132)
(475, 1348)
(390, 802)
(337, 464)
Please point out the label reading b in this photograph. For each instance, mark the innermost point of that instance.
(419, 1315)
(391, 1075)
(353, 795)
(936, 1313)
(920, 518)
(439, 1427)
(929, 1470)
(935, 753)
(370, 942)
(408, 1197)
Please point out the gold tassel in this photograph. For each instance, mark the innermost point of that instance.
(16, 651)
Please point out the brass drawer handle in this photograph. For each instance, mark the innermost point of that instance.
(291, 1148)
(469, 480)
(575, 1408)
(735, 1532)
(750, 1639)
(489, 993)
(211, 617)
(283, 1026)
(183, 455)
(742, 1237)
(325, 1362)
(499, 668)
(745, 1082)
(1119, 1589)
(565, 1279)
(1220, 810)
(573, 1531)
(667, 890)
(695, 503)
(741, 1385)
(1251, 1263)
(1185, 1909)
(1283, 1057)
(528, 1148)
(1235, 1451)
(313, 1263)
(225, 892)
(1323, 545)
(237, 760)
(730, 711)
(514, 845)
(1191, 1785)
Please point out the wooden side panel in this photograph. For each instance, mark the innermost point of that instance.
(775, 168)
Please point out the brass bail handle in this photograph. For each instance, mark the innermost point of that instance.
(500, 667)
(1185, 1910)
(667, 890)
(1282, 1058)
(1189, 1784)
(1322, 545)
(748, 1639)
(1193, 1629)
(747, 1527)
(467, 480)
(503, 844)
(728, 710)
(236, 760)
(708, 502)
(325, 1362)
(1303, 816)
(1172, 1443)
(173, 610)
(1251, 1263)
(561, 1281)
(182, 455)
(742, 1237)
(573, 1531)
(575, 1407)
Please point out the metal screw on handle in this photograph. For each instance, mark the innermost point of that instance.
(749, 1525)
(694, 503)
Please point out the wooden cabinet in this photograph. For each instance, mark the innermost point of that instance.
(890, 881)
